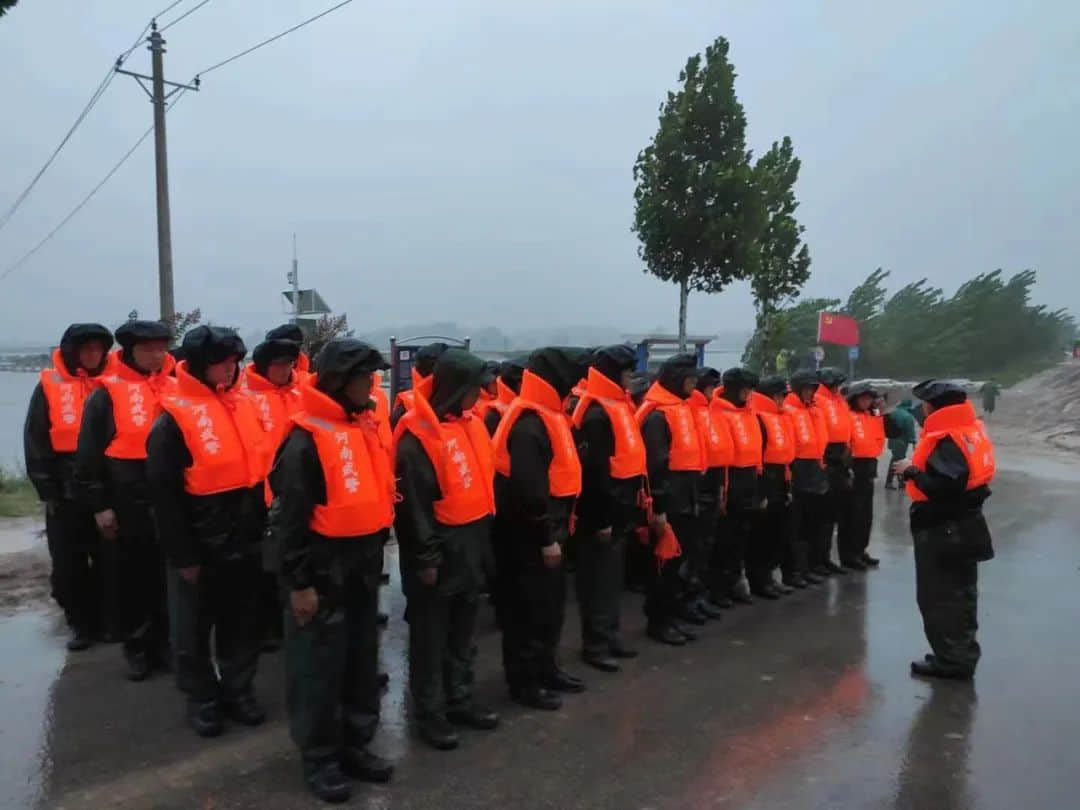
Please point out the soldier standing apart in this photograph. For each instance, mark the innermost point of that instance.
(332, 512)
(110, 469)
(948, 481)
(445, 468)
(205, 465)
(537, 483)
(610, 508)
(50, 438)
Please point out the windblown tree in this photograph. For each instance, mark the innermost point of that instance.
(6, 6)
(784, 261)
(180, 323)
(697, 211)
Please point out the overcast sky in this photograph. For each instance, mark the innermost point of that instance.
(472, 159)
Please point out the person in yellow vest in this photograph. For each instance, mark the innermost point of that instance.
(676, 464)
(205, 464)
(50, 438)
(537, 483)
(948, 480)
(110, 470)
(867, 445)
(610, 509)
(332, 512)
(445, 468)
(272, 383)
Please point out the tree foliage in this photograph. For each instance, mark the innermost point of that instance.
(325, 329)
(784, 261)
(6, 6)
(697, 211)
(180, 324)
(988, 327)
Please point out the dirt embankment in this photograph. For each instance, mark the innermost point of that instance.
(1042, 410)
(24, 563)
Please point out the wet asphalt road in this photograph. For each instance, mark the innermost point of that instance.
(806, 703)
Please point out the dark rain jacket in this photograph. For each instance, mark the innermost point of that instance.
(674, 492)
(944, 482)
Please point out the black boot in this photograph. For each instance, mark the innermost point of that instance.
(796, 581)
(559, 681)
(205, 718)
(709, 610)
(814, 578)
(853, 564)
(765, 592)
(666, 634)
(472, 715)
(328, 784)
(688, 634)
(870, 562)
(437, 732)
(138, 664)
(80, 640)
(832, 568)
(536, 697)
(246, 711)
(361, 764)
(782, 588)
(931, 667)
(690, 613)
(602, 661)
(620, 650)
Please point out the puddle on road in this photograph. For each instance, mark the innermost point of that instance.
(33, 657)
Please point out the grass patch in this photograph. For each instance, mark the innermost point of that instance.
(17, 496)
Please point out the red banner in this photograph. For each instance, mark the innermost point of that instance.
(840, 330)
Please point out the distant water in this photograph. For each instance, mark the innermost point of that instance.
(15, 390)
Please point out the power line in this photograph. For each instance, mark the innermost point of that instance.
(167, 9)
(187, 13)
(94, 98)
(48, 237)
(272, 39)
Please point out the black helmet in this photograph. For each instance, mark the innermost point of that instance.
(803, 378)
(773, 385)
(941, 393)
(707, 378)
(206, 345)
(612, 361)
(857, 389)
(562, 367)
(287, 331)
(427, 356)
(831, 377)
(735, 378)
(133, 332)
(342, 359)
(674, 371)
(273, 351)
(510, 372)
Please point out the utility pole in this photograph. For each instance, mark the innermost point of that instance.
(158, 97)
(294, 279)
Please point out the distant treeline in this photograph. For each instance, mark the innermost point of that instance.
(24, 362)
(987, 328)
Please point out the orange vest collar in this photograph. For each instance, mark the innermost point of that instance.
(535, 388)
(506, 393)
(950, 417)
(257, 382)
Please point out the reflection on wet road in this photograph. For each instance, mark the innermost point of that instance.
(806, 703)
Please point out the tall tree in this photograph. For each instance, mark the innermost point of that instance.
(784, 264)
(697, 213)
(6, 6)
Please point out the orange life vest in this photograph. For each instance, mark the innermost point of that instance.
(275, 404)
(484, 404)
(136, 402)
(779, 430)
(745, 433)
(837, 415)
(959, 423)
(687, 453)
(421, 385)
(867, 434)
(223, 433)
(463, 458)
(807, 429)
(303, 368)
(564, 472)
(65, 395)
(355, 465)
(629, 459)
(713, 429)
(382, 409)
(505, 397)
